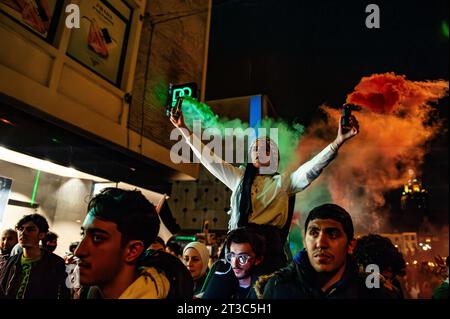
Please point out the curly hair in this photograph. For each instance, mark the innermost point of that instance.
(379, 250)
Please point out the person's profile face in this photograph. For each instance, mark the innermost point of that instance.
(193, 262)
(326, 244)
(100, 252)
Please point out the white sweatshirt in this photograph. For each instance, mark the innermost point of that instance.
(270, 193)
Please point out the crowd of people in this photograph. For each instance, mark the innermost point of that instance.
(120, 255)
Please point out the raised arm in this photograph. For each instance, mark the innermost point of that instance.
(225, 172)
(309, 171)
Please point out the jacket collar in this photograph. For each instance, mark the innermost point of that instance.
(308, 276)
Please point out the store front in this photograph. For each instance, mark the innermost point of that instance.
(49, 169)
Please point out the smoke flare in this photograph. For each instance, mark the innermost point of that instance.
(396, 122)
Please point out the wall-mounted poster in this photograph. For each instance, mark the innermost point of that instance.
(40, 16)
(5, 189)
(100, 42)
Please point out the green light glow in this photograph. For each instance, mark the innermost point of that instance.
(444, 28)
(159, 91)
(194, 110)
(192, 238)
(295, 239)
(36, 182)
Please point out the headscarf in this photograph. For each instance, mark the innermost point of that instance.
(203, 252)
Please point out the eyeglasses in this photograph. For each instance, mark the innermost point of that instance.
(242, 259)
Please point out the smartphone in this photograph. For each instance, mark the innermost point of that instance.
(175, 111)
(345, 121)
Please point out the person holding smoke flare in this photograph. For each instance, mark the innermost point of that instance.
(260, 200)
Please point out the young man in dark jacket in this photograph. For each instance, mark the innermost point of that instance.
(34, 273)
(235, 277)
(324, 269)
(114, 260)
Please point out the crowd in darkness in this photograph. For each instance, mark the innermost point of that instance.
(120, 256)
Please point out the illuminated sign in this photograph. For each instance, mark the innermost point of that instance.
(186, 89)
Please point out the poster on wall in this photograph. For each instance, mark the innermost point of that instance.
(39, 16)
(100, 42)
(5, 189)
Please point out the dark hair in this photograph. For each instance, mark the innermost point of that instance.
(73, 246)
(244, 235)
(50, 236)
(245, 205)
(335, 212)
(134, 215)
(159, 240)
(446, 261)
(36, 219)
(379, 250)
(176, 248)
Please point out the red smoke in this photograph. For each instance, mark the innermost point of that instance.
(384, 93)
(395, 127)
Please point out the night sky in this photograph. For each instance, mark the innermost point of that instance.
(302, 54)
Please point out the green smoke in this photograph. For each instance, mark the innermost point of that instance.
(295, 239)
(197, 111)
(311, 197)
(288, 136)
(288, 139)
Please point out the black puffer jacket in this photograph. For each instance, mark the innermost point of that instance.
(47, 278)
(297, 281)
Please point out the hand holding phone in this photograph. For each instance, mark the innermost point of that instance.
(176, 110)
(346, 115)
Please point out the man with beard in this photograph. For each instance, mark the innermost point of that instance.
(7, 241)
(325, 268)
(245, 250)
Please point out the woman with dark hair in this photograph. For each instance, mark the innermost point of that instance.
(260, 196)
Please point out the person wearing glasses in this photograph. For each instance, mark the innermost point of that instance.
(235, 278)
